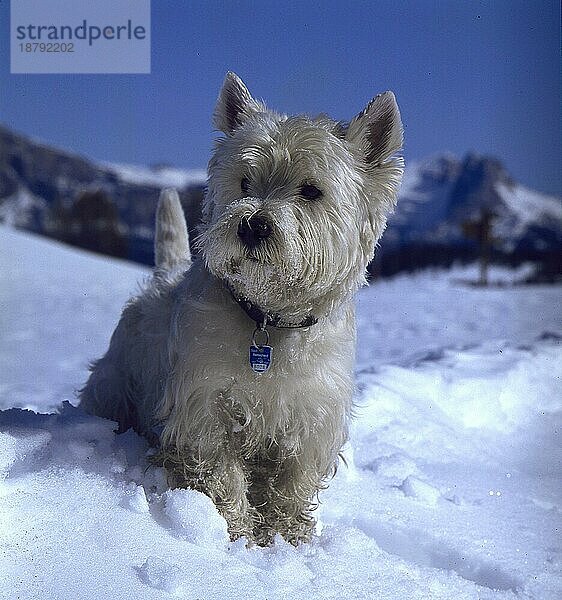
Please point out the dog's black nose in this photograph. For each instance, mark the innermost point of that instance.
(253, 230)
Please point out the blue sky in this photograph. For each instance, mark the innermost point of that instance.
(480, 76)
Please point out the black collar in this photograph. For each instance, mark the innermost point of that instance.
(262, 318)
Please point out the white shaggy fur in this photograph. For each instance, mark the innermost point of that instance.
(261, 445)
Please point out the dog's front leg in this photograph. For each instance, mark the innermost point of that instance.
(219, 475)
(284, 490)
(291, 496)
(225, 483)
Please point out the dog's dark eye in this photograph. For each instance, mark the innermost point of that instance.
(245, 185)
(310, 192)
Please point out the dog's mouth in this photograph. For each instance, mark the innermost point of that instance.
(235, 265)
(253, 257)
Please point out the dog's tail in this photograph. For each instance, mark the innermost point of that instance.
(171, 240)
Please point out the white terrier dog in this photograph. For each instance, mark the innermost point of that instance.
(242, 362)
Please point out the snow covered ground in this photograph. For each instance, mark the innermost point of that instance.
(453, 484)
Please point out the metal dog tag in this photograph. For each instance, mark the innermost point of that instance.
(260, 354)
(260, 358)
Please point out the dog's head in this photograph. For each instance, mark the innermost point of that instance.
(295, 205)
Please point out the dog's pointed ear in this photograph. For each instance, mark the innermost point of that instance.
(235, 104)
(377, 130)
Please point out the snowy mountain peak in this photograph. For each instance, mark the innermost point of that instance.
(441, 194)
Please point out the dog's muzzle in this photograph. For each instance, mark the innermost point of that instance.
(253, 230)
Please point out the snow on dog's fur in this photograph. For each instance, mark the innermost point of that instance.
(293, 211)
